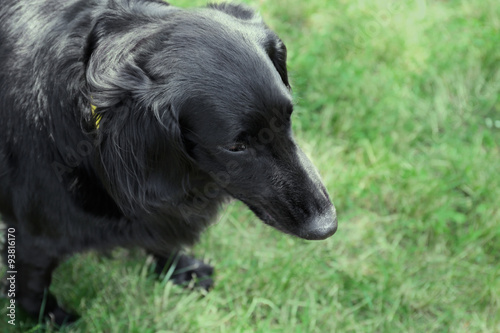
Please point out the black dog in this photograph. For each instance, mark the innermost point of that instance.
(129, 123)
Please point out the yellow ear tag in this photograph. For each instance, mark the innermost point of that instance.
(97, 118)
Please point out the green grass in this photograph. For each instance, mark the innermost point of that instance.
(398, 105)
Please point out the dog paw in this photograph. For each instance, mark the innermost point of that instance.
(187, 271)
(59, 317)
(197, 274)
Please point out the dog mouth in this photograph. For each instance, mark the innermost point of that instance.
(262, 214)
(266, 216)
(314, 228)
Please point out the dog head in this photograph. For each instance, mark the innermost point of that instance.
(204, 94)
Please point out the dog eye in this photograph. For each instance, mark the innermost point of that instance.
(236, 147)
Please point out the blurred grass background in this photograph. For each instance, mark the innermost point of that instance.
(398, 106)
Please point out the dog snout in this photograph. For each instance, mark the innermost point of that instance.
(321, 226)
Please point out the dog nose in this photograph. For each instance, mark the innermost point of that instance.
(320, 227)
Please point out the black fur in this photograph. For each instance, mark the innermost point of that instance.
(193, 108)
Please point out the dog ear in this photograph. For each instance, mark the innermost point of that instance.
(137, 133)
(277, 52)
(135, 151)
(112, 73)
